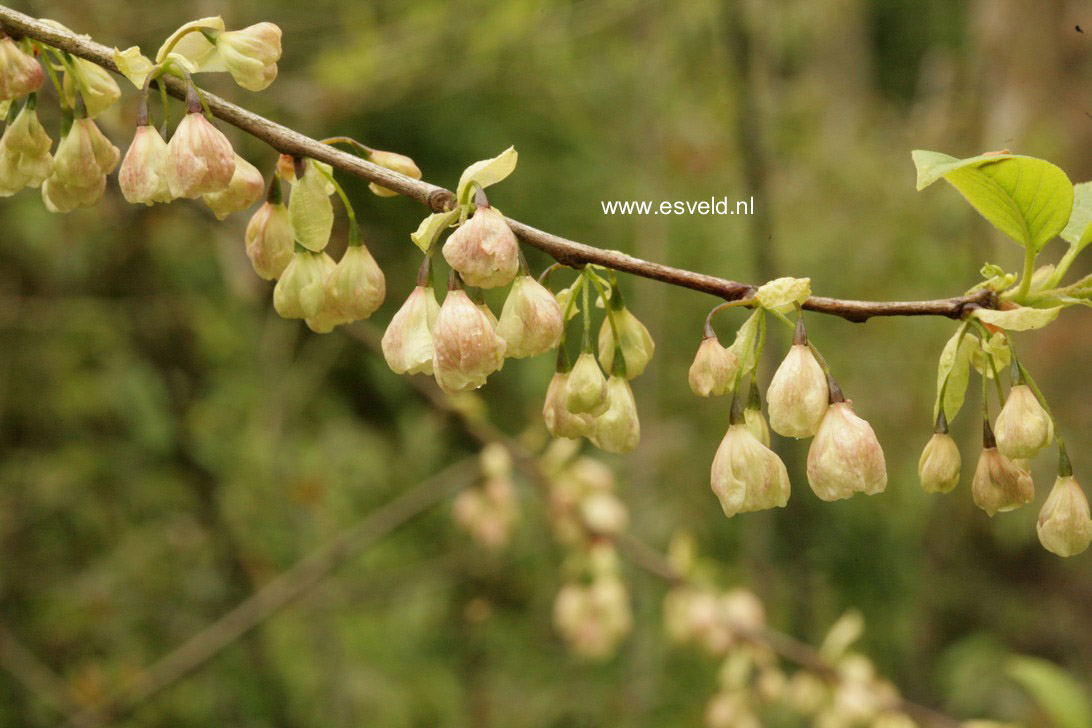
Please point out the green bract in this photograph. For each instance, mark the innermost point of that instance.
(1078, 232)
(486, 172)
(954, 368)
(1028, 199)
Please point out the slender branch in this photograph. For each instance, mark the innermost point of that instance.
(569, 252)
(278, 593)
(35, 675)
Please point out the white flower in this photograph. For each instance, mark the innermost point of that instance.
(845, 457)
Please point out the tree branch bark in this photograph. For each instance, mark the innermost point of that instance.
(436, 198)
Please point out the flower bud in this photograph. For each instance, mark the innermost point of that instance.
(1065, 526)
(1023, 427)
(756, 423)
(200, 159)
(20, 73)
(310, 208)
(269, 242)
(939, 465)
(845, 457)
(407, 342)
(798, 394)
(559, 420)
(84, 158)
(637, 344)
(97, 87)
(251, 54)
(356, 288)
(245, 188)
(617, 430)
(300, 292)
(999, 484)
(713, 370)
(586, 389)
(466, 348)
(484, 250)
(392, 160)
(530, 322)
(143, 173)
(24, 153)
(746, 475)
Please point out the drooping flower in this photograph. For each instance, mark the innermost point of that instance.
(244, 189)
(269, 242)
(939, 465)
(97, 87)
(20, 73)
(798, 393)
(845, 457)
(408, 342)
(713, 371)
(618, 429)
(24, 153)
(84, 158)
(1065, 525)
(637, 344)
(466, 349)
(357, 286)
(999, 484)
(300, 292)
(484, 249)
(1023, 427)
(586, 387)
(251, 54)
(746, 475)
(143, 173)
(559, 420)
(200, 159)
(530, 322)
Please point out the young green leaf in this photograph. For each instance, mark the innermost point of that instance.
(431, 228)
(1079, 230)
(1018, 319)
(955, 368)
(1028, 199)
(486, 172)
(744, 345)
(1055, 690)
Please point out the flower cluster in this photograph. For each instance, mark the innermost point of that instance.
(490, 511)
(803, 400)
(1002, 477)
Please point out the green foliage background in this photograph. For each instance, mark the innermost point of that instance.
(168, 444)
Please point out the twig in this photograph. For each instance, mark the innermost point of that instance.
(278, 593)
(436, 198)
(35, 675)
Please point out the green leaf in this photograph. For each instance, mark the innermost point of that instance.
(1055, 690)
(310, 209)
(1018, 319)
(486, 172)
(1079, 230)
(1028, 199)
(431, 228)
(955, 367)
(744, 345)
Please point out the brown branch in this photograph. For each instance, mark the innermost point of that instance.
(278, 593)
(569, 252)
(35, 675)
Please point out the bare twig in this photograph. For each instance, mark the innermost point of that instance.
(35, 675)
(436, 198)
(278, 593)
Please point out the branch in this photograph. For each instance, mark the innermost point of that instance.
(278, 593)
(35, 675)
(569, 252)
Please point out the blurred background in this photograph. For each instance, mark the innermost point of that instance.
(168, 444)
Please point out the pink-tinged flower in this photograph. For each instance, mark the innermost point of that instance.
(24, 153)
(713, 371)
(357, 286)
(746, 475)
(98, 89)
(1065, 525)
(999, 484)
(84, 158)
(559, 420)
(798, 394)
(530, 322)
(143, 173)
(484, 250)
(251, 54)
(269, 242)
(466, 348)
(397, 162)
(244, 190)
(618, 429)
(200, 159)
(408, 342)
(939, 465)
(20, 73)
(845, 457)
